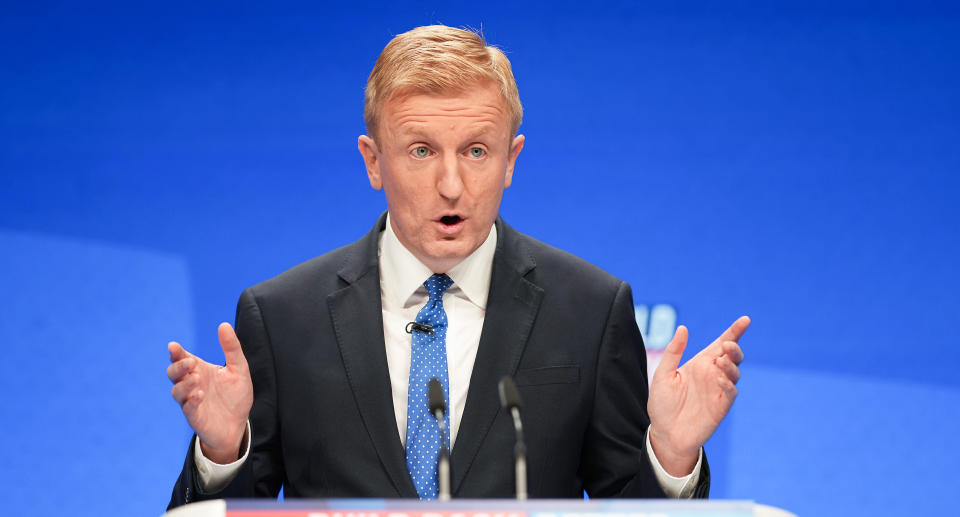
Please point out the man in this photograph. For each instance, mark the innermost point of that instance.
(330, 375)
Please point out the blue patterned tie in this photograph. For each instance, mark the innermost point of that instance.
(428, 360)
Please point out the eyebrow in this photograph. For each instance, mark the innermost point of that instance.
(416, 132)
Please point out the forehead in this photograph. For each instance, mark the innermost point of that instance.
(482, 108)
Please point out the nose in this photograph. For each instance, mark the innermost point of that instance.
(450, 182)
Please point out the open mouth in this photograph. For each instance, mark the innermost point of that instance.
(450, 220)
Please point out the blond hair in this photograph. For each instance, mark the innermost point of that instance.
(438, 59)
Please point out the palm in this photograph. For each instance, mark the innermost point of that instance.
(688, 403)
(227, 397)
(216, 400)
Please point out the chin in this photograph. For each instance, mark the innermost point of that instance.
(458, 253)
(450, 252)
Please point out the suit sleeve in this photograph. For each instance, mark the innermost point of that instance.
(614, 461)
(262, 474)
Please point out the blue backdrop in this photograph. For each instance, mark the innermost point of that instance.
(795, 161)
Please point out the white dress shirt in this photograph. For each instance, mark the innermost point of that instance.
(402, 295)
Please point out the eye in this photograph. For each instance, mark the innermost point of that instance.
(477, 152)
(421, 151)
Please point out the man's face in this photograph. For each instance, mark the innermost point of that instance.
(443, 161)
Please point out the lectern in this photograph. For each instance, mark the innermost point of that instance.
(475, 508)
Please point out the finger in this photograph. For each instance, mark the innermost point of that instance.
(177, 352)
(670, 360)
(728, 368)
(728, 389)
(736, 330)
(177, 370)
(733, 351)
(182, 390)
(191, 404)
(232, 351)
(179, 394)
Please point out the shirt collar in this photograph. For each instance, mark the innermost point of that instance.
(401, 274)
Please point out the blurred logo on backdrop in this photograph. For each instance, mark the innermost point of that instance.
(657, 324)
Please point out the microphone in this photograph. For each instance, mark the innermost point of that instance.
(510, 401)
(416, 326)
(437, 408)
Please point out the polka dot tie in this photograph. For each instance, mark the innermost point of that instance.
(428, 360)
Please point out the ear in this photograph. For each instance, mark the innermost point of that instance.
(515, 149)
(371, 157)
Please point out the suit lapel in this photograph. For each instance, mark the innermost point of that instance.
(358, 320)
(511, 310)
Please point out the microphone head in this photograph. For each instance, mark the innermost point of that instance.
(509, 396)
(435, 396)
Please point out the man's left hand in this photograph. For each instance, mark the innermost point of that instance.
(688, 402)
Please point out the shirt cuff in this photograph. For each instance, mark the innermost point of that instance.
(677, 488)
(214, 476)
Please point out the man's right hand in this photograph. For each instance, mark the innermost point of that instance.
(215, 399)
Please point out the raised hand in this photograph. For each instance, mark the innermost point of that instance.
(215, 399)
(686, 404)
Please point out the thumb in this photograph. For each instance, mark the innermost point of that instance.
(232, 351)
(674, 351)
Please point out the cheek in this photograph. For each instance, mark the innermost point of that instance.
(403, 186)
(488, 190)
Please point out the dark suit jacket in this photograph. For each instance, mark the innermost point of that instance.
(323, 421)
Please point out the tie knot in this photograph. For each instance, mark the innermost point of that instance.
(437, 285)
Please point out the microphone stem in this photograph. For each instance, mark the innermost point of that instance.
(443, 463)
(520, 456)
